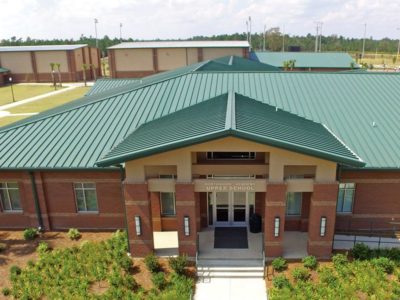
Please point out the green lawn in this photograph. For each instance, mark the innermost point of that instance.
(8, 120)
(22, 92)
(50, 102)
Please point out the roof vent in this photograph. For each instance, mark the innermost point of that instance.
(374, 124)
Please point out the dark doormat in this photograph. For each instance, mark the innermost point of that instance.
(230, 238)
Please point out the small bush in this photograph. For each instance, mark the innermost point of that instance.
(310, 262)
(300, 274)
(280, 281)
(3, 247)
(158, 280)
(339, 260)
(30, 233)
(14, 272)
(178, 264)
(279, 264)
(384, 263)
(42, 248)
(361, 251)
(6, 291)
(30, 263)
(151, 263)
(74, 234)
(327, 276)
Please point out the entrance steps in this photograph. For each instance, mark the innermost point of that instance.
(223, 268)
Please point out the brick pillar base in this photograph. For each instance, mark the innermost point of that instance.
(137, 203)
(275, 206)
(186, 206)
(323, 204)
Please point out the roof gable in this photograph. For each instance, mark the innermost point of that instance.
(231, 115)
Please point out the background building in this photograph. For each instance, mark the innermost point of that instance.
(139, 59)
(32, 63)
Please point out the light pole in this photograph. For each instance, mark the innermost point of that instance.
(12, 90)
(265, 28)
(320, 37)
(95, 31)
(363, 48)
(250, 33)
(120, 32)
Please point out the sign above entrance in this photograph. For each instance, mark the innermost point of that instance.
(216, 185)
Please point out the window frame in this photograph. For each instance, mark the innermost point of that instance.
(345, 189)
(86, 211)
(251, 155)
(301, 205)
(6, 189)
(161, 206)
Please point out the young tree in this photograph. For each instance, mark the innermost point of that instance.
(85, 67)
(58, 66)
(94, 71)
(52, 66)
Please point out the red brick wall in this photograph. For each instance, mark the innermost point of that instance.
(203, 210)
(57, 201)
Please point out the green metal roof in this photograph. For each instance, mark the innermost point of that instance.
(361, 109)
(235, 63)
(4, 70)
(105, 84)
(231, 114)
(338, 60)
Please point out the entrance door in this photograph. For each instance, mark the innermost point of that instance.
(230, 209)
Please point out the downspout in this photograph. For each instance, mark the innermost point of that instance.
(122, 175)
(36, 200)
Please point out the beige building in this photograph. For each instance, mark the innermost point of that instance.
(32, 63)
(139, 59)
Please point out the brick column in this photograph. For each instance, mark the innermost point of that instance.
(275, 206)
(186, 206)
(155, 60)
(156, 210)
(137, 202)
(323, 204)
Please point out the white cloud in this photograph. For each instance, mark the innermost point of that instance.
(184, 18)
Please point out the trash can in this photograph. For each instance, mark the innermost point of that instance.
(255, 223)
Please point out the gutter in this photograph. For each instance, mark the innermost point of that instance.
(122, 175)
(36, 200)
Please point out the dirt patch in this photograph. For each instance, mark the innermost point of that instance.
(99, 287)
(19, 251)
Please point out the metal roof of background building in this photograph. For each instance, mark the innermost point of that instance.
(362, 110)
(104, 84)
(235, 63)
(41, 48)
(182, 44)
(4, 70)
(226, 115)
(331, 60)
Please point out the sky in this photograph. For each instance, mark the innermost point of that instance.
(180, 19)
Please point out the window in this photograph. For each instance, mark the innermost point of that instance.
(9, 196)
(345, 197)
(167, 176)
(231, 155)
(167, 204)
(86, 199)
(293, 204)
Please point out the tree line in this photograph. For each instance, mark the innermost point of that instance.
(274, 41)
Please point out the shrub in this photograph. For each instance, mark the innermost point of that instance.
(279, 264)
(182, 285)
(300, 274)
(178, 264)
(14, 272)
(42, 248)
(339, 260)
(151, 263)
(30, 233)
(6, 291)
(361, 251)
(3, 247)
(310, 262)
(384, 263)
(159, 280)
(327, 276)
(74, 234)
(280, 281)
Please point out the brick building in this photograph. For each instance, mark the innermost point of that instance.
(195, 150)
(32, 63)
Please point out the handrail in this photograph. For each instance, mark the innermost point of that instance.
(263, 264)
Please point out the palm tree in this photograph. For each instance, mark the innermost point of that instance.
(52, 66)
(58, 65)
(94, 71)
(85, 67)
(286, 65)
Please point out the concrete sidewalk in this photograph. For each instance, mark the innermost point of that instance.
(231, 289)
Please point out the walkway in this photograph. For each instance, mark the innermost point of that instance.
(231, 289)
(70, 86)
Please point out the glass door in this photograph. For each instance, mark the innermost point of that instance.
(222, 208)
(229, 209)
(239, 208)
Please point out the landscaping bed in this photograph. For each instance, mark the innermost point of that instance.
(362, 274)
(87, 266)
